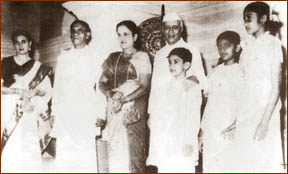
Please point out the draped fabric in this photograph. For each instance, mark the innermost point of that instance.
(258, 59)
(224, 91)
(26, 123)
(126, 130)
(76, 106)
(10, 68)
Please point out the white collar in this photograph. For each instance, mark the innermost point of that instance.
(180, 41)
(261, 37)
(81, 49)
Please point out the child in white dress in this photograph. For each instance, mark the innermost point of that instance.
(174, 130)
(258, 131)
(220, 116)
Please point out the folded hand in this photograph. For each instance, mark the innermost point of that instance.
(229, 132)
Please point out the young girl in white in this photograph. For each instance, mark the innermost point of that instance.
(258, 129)
(221, 112)
(174, 130)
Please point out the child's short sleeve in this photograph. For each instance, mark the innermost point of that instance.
(274, 50)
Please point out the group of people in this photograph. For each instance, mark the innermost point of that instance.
(150, 112)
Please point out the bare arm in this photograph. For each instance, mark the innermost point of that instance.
(262, 127)
(274, 94)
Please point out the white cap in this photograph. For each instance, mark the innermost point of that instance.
(171, 17)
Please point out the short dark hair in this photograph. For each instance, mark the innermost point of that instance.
(230, 36)
(182, 53)
(134, 29)
(20, 33)
(85, 25)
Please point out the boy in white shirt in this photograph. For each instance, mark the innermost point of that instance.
(175, 126)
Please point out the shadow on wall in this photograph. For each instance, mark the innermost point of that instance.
(43, 20)
(18, 15)
(51, 40)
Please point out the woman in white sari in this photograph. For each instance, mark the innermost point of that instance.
(25, 117)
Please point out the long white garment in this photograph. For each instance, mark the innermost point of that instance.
(225, 86)
(76, 105)
(175, 125)
(22, 152)
(258, 58)
(161, 74)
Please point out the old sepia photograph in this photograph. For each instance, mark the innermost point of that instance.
(143, 86)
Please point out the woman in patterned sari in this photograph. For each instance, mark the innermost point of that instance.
(25, 118)
(125, 81)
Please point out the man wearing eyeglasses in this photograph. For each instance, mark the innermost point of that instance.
(77, 103)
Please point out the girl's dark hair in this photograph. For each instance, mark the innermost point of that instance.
(134, 29)
(261, 9)
(230, 36)
(25, 33)
(85, 25)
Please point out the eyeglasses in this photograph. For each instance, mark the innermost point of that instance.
(77, 31)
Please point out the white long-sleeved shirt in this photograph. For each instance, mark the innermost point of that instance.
(161, 74)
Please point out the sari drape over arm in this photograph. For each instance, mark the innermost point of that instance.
(29, 121)
(126, 130)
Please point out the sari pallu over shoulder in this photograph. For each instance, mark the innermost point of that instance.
(31, 75)
(125, 131)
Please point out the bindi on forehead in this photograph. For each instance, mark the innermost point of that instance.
(20, 38)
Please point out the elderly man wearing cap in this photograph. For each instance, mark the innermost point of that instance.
(172, 30)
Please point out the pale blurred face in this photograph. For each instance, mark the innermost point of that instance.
(79, 35)
(172, 31)
(125, 37)
(251, 23)
(226, 49)
(177, 66)
(22, 45)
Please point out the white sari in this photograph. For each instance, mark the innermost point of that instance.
(22, 152)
